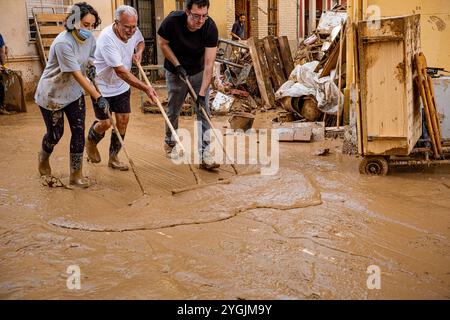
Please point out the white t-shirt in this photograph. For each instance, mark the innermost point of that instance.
(57, 87)
(112, 52)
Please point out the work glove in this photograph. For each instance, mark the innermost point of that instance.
(181, 73)
(91, 73)
(103, 104)
(201, 102)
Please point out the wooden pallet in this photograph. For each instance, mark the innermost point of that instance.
(48, 26)
(273, 64)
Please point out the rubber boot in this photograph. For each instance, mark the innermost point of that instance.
(91, 144)
(114, 149)
(76, 171)
(44, 163)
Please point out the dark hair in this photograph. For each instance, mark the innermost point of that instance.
(199, 3)
(242, 15)
(84, 9)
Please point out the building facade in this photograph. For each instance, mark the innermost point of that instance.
(292, 18)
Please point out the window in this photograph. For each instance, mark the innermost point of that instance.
(43, 6)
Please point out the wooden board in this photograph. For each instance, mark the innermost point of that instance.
(390, 116)
(274, 62)
(50, 17)
(47, 42)
(50, 30)
(265, 90)
(286, 55)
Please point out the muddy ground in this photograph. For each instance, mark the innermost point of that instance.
(309, 232)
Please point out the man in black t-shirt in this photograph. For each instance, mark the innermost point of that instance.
(188, 40)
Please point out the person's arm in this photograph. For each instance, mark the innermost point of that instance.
(126, 75)
(86, 85)
(234, 31)
(137, 57)
(210, 57)
(235, 36)
(167, 51)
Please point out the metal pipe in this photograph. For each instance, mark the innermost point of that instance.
(417, 162)
(234, 43)
(230, 63)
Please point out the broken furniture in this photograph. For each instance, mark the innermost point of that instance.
(390, 115)
(273, 64)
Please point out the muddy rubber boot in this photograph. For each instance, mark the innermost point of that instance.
(44, 163)
(91, 144)
(208, 163)
(114, 149)
(76, 171)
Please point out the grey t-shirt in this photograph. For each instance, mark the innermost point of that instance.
(57, 87)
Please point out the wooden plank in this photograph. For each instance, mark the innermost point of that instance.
(274, 62)
(383, 39)
(362, 92)
(331, 62)
(50, 30)
(286, 55)
(47, 42)
(50, 17)
(263, 89)
(266, 72)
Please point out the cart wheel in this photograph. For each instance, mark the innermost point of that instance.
(374, 166)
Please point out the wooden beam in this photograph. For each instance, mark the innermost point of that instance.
(50, 17)
(47, 42)
(286, 55)
(274, 62)
(50, 30)
(263, 88)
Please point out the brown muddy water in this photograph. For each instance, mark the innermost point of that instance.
(309, 232)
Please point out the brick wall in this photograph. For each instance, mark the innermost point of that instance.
(262, 18)
(288, 21)
(230, 8)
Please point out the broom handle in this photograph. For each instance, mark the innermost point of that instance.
(172, 129)
(205, 114)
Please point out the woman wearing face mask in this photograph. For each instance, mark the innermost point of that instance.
(61, 89)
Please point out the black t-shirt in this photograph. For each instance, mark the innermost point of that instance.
(188, 47)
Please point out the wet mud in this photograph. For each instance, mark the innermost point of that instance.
(308, 232)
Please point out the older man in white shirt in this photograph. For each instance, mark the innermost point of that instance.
(118, 46)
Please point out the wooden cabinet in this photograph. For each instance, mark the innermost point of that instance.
(391, 117)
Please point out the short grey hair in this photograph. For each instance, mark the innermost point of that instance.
(129, 11)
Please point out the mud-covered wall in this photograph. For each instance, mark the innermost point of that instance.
(435, 25)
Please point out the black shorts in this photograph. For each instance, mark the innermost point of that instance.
(117, 104)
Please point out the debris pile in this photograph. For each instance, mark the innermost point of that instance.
(313, 90)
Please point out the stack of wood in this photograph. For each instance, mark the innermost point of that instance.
(272, 62)
(424, 84)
